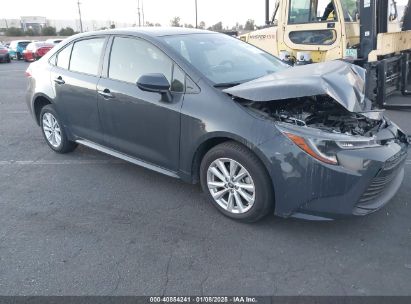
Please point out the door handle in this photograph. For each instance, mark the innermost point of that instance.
(105, 93)
(59, 80)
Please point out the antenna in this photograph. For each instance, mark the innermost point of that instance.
(79, 13)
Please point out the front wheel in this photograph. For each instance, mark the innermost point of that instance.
(236, 182)
(53, 131)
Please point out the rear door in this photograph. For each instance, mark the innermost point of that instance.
(75, 79)
(135, 122)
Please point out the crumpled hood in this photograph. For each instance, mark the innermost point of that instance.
(342, 81)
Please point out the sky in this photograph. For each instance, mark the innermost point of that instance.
(161, 11)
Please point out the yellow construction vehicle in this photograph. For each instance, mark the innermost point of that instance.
(365, 32)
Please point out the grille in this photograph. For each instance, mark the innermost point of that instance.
(383, 178)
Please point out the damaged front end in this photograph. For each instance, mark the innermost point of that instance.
(354, 156)
(325, 100)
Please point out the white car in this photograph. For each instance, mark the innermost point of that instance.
(54, 41)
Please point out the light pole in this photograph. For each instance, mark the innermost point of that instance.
(196, 13)
(79, 13)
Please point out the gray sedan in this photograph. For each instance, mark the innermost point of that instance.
(259, 136)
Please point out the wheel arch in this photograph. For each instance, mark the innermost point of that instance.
(212, 140)
(39, 101)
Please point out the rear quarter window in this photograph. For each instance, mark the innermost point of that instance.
(63, 57)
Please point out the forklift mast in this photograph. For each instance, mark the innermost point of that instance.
(373, 20)
(391, 73)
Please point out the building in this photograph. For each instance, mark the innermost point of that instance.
(35, 23)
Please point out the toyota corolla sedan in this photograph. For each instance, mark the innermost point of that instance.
(259, 136)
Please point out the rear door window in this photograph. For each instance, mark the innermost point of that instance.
(86, 54)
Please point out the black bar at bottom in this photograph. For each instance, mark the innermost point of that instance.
(205, 299)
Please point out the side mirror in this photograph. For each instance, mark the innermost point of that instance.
(156, 83)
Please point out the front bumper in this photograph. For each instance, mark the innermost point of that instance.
(364, 182)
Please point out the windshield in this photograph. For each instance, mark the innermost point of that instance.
(350, 9)
(24, 44)
(223, 59)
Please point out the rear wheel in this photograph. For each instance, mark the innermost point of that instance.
(236, 182)
(53, 131)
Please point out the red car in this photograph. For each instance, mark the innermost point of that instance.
(36, 50)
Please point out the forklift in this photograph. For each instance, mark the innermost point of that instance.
(368, 33)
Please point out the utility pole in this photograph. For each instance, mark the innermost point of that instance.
(142, 12)
(79, 13)
(196, 13)
(138, 12)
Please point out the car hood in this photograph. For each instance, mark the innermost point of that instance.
(342, 81)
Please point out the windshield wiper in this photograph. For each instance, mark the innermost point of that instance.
(227, 84)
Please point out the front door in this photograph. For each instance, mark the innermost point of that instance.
(138, 123)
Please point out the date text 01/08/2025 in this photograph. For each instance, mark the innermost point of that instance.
(202, 299)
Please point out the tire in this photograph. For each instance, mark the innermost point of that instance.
(48, 118)
(8, 59)
(256, 177)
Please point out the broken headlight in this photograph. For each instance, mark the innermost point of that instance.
(325, 149)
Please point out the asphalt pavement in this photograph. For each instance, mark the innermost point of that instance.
(87, 224)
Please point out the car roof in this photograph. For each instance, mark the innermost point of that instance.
(20, 41)
(150, 31)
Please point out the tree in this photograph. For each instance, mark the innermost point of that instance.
(218, 27)
(188, 25)
(157, 24)
(68, 31)
(175, 22)
(202, 25)
(30, 32)
(49, 31)
(112, 26)
(249, 25)
(14, 31)
(148, 23)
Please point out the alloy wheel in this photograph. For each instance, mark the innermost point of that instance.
(51, 129)
(231, 185)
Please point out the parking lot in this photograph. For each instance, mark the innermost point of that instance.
(88, 224)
